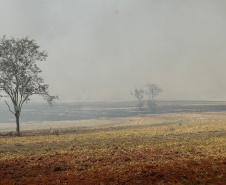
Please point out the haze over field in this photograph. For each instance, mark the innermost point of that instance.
(100, 50)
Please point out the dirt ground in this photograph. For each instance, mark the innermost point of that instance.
(176, 148)
(112, 168)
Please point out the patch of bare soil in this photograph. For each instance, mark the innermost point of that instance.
(127, 168)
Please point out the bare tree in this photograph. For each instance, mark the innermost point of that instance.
(152, 91)
(19, 74)
(139, 94)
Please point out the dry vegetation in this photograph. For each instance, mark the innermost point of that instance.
(183, 148)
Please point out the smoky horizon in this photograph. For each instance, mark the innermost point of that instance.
(100, 51)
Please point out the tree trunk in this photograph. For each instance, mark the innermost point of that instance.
(17, 124)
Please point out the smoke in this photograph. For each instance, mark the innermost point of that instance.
(101, 50)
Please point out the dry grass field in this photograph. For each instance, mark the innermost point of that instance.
(168, 148)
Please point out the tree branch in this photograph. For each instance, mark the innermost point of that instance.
(9, 108)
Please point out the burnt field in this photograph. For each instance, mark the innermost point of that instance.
(182, 143)
(84, 111)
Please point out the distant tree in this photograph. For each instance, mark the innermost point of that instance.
(152, 91)
(139, 94)
(19, 74)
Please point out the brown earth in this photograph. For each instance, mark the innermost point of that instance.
(114, 167)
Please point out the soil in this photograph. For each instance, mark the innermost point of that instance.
(107, 169)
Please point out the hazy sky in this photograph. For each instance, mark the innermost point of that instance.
(100, 50)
